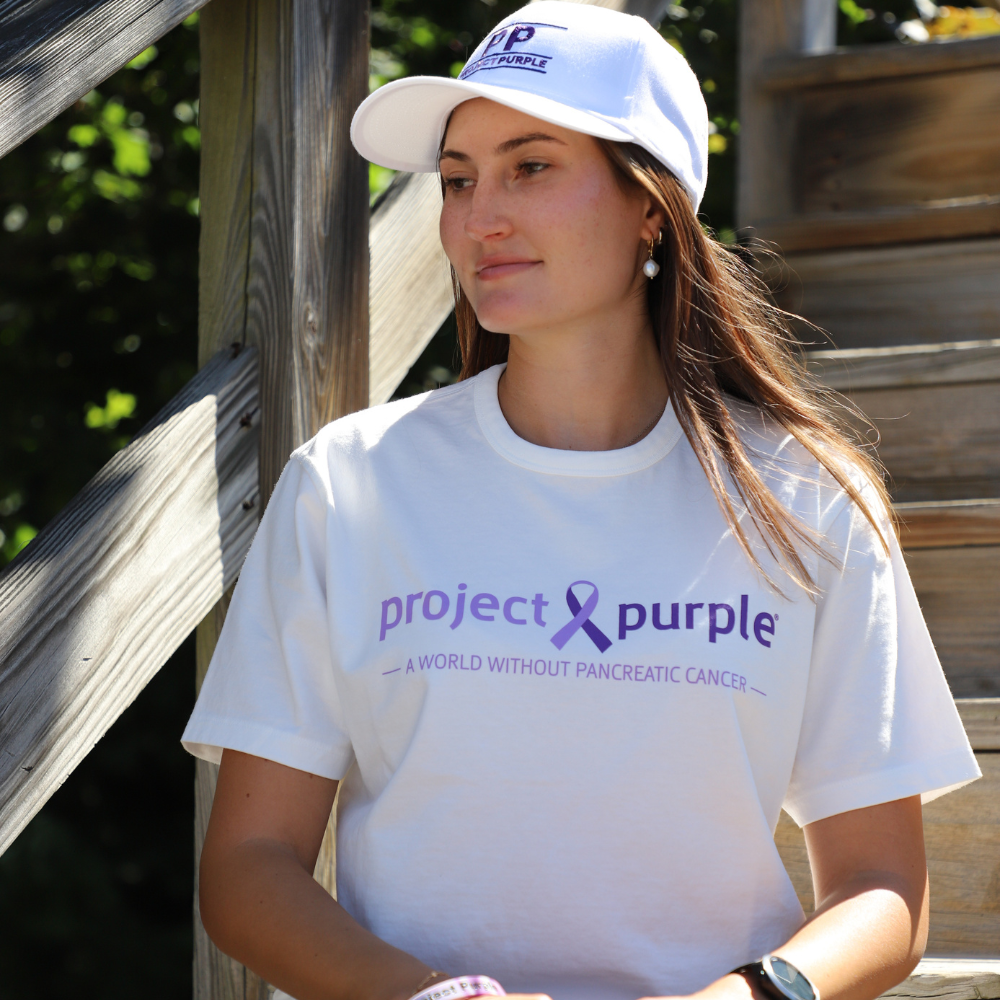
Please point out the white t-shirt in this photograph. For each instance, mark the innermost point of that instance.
(565, 709)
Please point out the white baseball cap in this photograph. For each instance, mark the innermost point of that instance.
(586, 68)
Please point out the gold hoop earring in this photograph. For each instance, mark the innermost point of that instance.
(651, 269)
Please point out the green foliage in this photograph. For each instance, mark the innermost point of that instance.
(864, 24)
(120, 406)
(98, 276)
(23, 534)
(854, 13)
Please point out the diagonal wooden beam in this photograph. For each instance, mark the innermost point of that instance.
(52, 52)
(410, 292)
(92, 609)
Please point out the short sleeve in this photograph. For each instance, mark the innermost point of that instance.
(270, 688)
(879, 722)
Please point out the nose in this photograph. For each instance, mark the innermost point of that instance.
(488, 218)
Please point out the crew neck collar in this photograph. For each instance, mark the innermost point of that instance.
(556, 461)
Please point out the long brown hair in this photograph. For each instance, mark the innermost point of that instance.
(719, 335)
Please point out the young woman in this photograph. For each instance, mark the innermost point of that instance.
(571, 632)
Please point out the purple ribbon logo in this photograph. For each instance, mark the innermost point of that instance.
(581, 619)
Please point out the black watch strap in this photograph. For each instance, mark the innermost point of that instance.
(782, 983)
(754, 974)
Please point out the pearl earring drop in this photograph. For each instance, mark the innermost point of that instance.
(651, 269)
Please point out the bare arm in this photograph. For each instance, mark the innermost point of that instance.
(260, 904)
(869, 928)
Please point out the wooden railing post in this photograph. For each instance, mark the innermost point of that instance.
(763, 187)
(284, 263)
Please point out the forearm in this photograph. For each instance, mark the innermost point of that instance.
(863, 939)
(262, 907)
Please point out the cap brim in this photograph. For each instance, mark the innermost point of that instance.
(400, 125)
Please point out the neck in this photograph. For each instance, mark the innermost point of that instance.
(584, 389)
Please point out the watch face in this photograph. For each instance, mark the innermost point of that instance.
(791, 979)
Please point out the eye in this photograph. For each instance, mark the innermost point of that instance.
(457, 183)
(531, 167)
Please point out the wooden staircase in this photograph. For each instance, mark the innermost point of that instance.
(875, 171)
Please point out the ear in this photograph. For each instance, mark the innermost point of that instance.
(654, 219)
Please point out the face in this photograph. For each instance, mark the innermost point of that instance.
(539, 231)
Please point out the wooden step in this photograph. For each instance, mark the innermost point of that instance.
(921, 293)
(878, 145)
(981, 718)
(955, 569)
(936, 410)
(962, 836)
(952, 979)
(948, 524)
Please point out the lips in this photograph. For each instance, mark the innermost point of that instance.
(493, 268)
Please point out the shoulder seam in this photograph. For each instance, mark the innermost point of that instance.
(307, 466)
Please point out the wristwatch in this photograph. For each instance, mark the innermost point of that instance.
(778, 979)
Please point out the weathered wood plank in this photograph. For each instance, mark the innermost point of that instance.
(819, 26)
(284, 266)
(769, 29)
(981, 718)
(328, 370)
(52, 52)
(962, 833)
(896, 142)
(867, 62)
(959, 594)
(907, 365)
(227, 37)
(962, 836)
(308, 282)
(411, 293)
(948, 524)
(107, 591)
(937, 411)
(942, 219)
(951, 979)
(888, 296)
(872, 145)
(938, 442)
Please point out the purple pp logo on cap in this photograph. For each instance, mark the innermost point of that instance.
(508, 48)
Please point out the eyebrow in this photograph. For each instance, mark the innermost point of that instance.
(522, 140)
(505, 147)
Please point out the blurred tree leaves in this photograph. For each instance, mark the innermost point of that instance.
(865, 24)
(98, 278)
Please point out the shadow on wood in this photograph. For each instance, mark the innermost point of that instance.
(98, 602)
(52, 52)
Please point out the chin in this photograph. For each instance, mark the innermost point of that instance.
(512, 316)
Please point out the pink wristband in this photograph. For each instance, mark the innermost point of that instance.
(462, 987)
